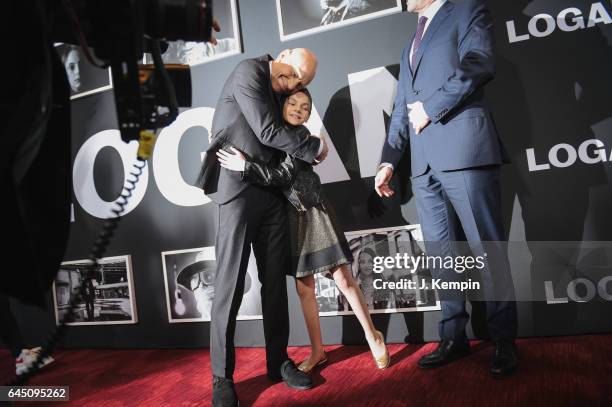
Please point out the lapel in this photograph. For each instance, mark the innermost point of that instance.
(435, 24)
(265, 61)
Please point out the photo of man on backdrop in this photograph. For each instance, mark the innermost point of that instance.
(109, 295)
(297, 18)
(189, 280)
(195, 53)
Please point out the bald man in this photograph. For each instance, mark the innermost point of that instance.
(248, 117)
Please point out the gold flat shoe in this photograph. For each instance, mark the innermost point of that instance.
(385, 360)
(307, 367)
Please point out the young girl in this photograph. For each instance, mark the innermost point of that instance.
(318, 244)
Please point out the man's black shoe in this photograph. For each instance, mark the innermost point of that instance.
(293, 377)
(224, 394)
(505, 359)
(448, 351)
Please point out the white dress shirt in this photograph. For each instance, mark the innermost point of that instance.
(430, 12)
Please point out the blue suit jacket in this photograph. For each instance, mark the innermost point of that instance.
(453, 63)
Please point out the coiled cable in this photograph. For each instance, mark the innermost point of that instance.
(97, 251)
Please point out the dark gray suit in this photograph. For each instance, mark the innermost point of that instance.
(248, 117)
(455, 160)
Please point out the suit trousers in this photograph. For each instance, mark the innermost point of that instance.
(257, 217)
(473, 197)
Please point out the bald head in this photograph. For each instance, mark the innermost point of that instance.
(293, 69)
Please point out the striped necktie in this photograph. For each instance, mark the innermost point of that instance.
(417, 39)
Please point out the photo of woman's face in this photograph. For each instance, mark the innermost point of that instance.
(366, 263)
(72, 69)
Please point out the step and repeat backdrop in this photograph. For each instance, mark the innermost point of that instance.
(551, 100)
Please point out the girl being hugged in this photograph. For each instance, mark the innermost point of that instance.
(317, 243)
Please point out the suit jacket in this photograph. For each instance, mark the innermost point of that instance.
(248, 117)
(453, 63)
(300, 184)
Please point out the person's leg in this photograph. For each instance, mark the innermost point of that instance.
(271, 253)
(347, 284)
(233, 244)
(9, 330)
(475, 195)
(437, 224)
(305, 287)
(11, 336)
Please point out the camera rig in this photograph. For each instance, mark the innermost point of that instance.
(35, 157)
(120, 32)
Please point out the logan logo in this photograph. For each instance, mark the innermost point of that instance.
(563, 155)
(372, 94)
(570, 19)
(588, 291)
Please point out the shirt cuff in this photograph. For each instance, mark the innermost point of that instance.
(320, 148)
(385, 165)
(319, 151)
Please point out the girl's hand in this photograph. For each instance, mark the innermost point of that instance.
(232, 162)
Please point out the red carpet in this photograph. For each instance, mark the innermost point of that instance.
(563, 371)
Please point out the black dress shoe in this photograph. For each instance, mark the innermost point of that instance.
(448, 351)
(224, 394)
(293, 377)
(505, 360)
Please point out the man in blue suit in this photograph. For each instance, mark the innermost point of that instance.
(456, 155)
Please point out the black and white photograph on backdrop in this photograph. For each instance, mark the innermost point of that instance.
(109, 296)
(366, 245)
(297, 18)
(189, 277)
(83, 77)
(194, 53)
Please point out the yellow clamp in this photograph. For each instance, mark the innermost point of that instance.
(146, 144)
